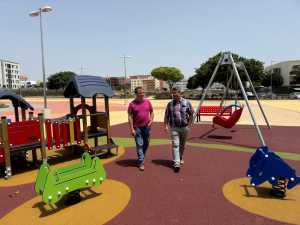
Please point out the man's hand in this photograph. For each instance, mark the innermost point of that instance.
(133, 132)
(150, 123)
(166, 128)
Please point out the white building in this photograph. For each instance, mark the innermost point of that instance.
(284, 69)
(149, 83)
(9, 74)
(30, 84)
(181, 85)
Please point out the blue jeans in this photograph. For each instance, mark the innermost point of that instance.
(142, 138)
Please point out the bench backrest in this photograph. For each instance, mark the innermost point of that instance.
(213, 110)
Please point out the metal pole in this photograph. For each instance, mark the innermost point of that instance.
(207, 87)
(43, 60)
(255, 94)
(125, 75)
(271, 80)
(247, 102)
(42, 141)
(272, 77)
(6, 147)
(226, 91)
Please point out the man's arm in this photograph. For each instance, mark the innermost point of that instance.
(166, 118)
(130, 122)
(151, 119)
(151, 115)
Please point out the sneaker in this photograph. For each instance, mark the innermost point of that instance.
(176, 169)
(141, 167)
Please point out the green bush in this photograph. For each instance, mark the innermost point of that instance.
(27, 92)
(162, 95)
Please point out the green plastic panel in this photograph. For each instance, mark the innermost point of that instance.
(54, 184)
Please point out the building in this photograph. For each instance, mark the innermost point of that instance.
(284, 69)
(23, 79)
(181, 85)
(149, 83)
(118, 82)
(31, 84)
(9, 74)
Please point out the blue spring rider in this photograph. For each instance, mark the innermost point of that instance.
(265, 165)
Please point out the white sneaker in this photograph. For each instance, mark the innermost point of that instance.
(176, 167)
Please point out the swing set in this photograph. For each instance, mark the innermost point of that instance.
(264, 165)
(228, 116)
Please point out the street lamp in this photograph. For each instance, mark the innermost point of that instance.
(125, 75)
(34, 14)
(272, 77)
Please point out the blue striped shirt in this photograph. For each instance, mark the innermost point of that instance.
(178, 114)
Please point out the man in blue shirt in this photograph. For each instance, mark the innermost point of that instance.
(178, 118)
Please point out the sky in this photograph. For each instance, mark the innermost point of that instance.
(89, 37)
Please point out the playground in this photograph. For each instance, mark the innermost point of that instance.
(211, 188)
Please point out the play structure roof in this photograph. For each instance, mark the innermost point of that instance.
(16, 100)
(87, 86)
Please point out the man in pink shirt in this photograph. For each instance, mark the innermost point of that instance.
(140, 118)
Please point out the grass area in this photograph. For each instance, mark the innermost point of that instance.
(225, 147)
(129, 142)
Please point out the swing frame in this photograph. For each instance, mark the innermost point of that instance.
(227, 59)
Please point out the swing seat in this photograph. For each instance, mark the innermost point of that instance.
(232, 120)
(265, 165)
(56, 183)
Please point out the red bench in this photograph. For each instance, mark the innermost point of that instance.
(213, 111)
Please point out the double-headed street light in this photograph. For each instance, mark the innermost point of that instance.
(34, 14)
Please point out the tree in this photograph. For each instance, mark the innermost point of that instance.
(296, 73)
(59, 80)
(203, 74)
(277, 80)
(169, 74)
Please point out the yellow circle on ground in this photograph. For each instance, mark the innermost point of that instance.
(258, 200)
(98, 206)
(30, 176)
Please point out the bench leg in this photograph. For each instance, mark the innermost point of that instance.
(34, 156)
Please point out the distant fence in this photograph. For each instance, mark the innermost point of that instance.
(25, 92)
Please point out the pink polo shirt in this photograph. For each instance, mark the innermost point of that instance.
(140, 112)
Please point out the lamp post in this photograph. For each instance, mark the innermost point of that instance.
(82, 69)
(125, 75)
(34, 14)
(272, 78)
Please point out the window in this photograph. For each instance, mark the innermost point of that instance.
(277, 71)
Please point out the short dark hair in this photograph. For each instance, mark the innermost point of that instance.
(137, 89)
(176, 89)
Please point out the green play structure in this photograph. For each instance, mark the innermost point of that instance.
(67, 182)
(57, 183)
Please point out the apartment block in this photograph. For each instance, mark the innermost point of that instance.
(149, 83)
(285, 69)
(10, 74)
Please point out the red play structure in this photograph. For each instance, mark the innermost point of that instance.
(72, 129)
